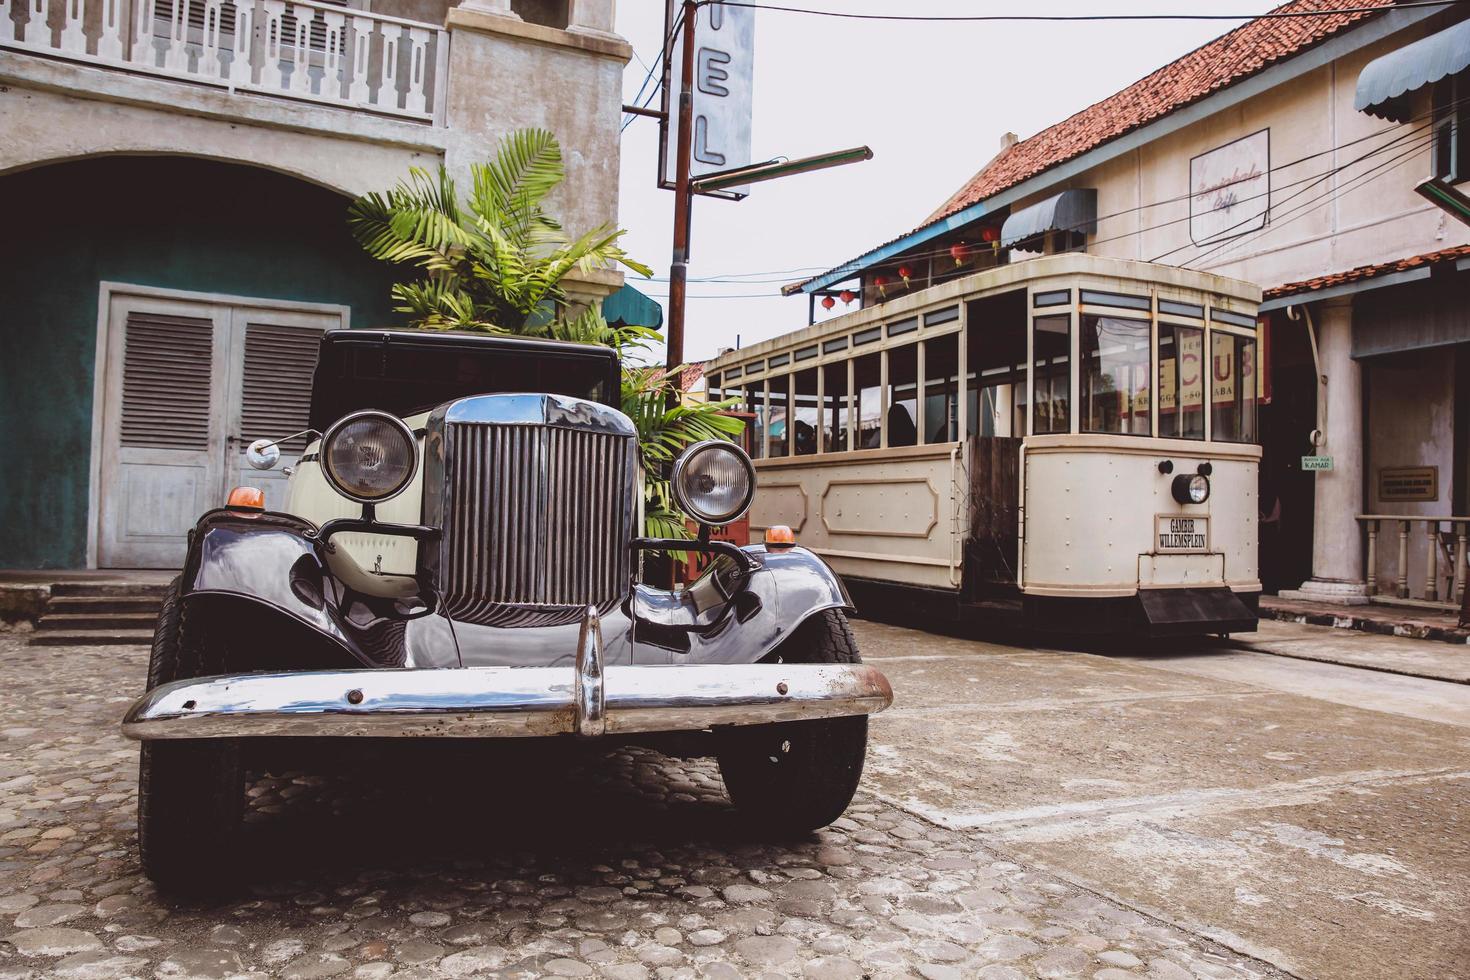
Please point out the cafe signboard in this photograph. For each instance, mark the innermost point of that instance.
(1408, 484)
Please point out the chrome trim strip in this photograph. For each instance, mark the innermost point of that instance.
(591, 694)
(490, 702)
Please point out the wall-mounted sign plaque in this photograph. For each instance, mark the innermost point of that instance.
(1408, 484)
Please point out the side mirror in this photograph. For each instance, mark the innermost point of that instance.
(263, 454)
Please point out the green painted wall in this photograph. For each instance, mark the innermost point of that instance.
(156, 221)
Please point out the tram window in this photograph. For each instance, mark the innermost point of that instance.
(805, 411)
(1232, 387)
(941, 387)
(777, 426)
(903, 401)
(867, 374)
(996, 352)
(1181, 382)
(1052, 374)
(834, 421)
(755, 403)
(1115, 375)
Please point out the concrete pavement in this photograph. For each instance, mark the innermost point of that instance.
(1309, 814)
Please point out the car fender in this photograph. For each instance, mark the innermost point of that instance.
(706, 623)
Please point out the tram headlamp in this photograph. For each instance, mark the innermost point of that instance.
(714, 482)
(369, 456)
(1191, 488)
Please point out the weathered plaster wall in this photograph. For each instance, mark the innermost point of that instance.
(169, 222)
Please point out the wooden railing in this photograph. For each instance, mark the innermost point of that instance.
(1444, 570)
(302, 49)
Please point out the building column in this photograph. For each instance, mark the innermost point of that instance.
(499, 8)
(1337, 542)
(592, 17)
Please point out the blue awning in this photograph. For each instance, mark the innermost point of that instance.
(1073, 210)
(1385, 83)
(631, 308)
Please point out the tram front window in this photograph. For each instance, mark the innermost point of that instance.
(1051, 374)
(755, 403)
(903, 401)
(1181, 382)
(941, 386)
(778, 424)
(1232, 387)
(806, 412)
(1115, 375)
(867, 375)
(834, 421)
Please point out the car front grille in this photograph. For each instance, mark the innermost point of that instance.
(537, 520)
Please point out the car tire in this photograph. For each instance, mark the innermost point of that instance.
(789, 778)
(191, 792)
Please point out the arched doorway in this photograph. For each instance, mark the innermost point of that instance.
(156, 311)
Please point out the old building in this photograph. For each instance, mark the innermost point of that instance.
(176, 175)
(1286, 152)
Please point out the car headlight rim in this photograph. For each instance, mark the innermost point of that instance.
(357, 490)
(685, 467)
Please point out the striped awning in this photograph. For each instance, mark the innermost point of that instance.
(1072, 210)
(1386, 83)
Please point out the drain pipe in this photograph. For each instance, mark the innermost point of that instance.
(1318, 436)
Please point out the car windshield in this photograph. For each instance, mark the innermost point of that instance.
(407, 377)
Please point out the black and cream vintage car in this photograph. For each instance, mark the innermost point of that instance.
(458, 557)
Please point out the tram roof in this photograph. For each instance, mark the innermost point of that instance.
(1234, 294)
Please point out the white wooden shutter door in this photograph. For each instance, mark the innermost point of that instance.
(168, 367)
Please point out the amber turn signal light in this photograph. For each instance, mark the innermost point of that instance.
(780, 536)
(247, 498)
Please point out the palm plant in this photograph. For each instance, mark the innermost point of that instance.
(494, 263)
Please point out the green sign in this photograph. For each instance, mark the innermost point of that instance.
(1310, 463)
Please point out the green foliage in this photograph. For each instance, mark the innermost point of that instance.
(495, 262)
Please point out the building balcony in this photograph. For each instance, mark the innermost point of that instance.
(302, 50)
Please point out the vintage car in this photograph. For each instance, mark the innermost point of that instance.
(458, 557)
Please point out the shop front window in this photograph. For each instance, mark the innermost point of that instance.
(1181, 382)
(1233, 381)
(1051, 374)
(1115, 375)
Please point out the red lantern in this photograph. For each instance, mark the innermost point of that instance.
(847, 296)
(904, 273)
(990, 233)
(828, 302)
(880, 282)
(959, 251)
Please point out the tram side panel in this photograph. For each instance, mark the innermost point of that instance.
(898, 520)
(1102, 534)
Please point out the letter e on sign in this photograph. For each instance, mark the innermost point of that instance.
(724, 59)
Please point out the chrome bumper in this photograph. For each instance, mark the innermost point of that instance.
(498, 702)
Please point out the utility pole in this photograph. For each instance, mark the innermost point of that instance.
(683, 194)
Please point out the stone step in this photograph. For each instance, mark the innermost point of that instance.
(109, 589)
(92, 605)
(98, 621)
(91, 638)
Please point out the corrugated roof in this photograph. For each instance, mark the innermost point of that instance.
(1367, 272)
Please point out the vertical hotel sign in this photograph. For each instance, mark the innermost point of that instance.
(1230, 189)
(724, 62)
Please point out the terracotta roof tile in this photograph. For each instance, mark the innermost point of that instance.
(1368, 272)
(1222, 62)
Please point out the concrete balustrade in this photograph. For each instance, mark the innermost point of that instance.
(1445, 564)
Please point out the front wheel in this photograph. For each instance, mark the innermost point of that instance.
(790, 778)
(191, 793)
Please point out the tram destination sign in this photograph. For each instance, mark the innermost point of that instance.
(1183, 535)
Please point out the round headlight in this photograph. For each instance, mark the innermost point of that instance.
(1191, 488)
(369, 456)
(714, 481)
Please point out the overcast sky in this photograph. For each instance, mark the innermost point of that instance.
(932, 100)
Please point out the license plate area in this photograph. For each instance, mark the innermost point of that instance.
(1179, 535)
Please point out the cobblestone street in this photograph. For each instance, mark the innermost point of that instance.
(449, 861)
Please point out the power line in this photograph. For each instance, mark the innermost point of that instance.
(664, 53)
(1074, 18)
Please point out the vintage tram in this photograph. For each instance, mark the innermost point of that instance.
(1067, 442)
